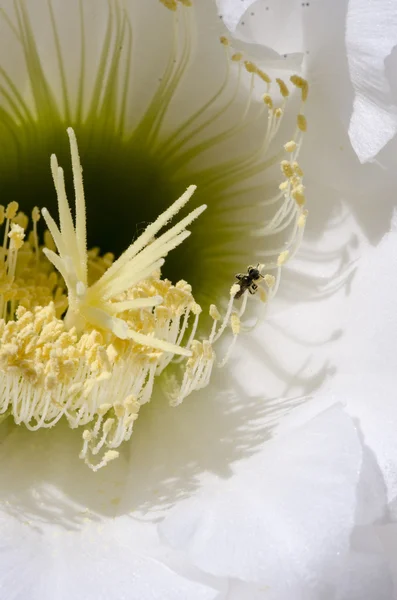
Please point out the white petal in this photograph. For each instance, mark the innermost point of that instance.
(371, 34)
(346, 342)
(284, 517)
(70, 533)
(365, 359)
(269, 31)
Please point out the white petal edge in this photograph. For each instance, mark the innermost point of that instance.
(371, 34)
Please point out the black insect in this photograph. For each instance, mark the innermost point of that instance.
(247, 280)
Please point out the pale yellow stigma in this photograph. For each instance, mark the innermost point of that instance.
(100, 304)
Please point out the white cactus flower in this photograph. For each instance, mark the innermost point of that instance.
(151, 182)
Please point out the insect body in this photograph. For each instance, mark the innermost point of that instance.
(247, 280)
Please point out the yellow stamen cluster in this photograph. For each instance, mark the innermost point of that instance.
(48, 372)
(26, 280)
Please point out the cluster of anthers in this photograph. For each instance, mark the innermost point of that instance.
(290, 199)
(124, 326)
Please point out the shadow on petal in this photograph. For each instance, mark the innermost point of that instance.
(43, 481)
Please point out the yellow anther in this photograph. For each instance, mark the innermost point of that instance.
(224, 41)
(12, 210)
(283, 186)
(301, 84)
(184, 286)
(301, 122)
(298, 195)
(2, 214)
(262, 294)
(170, 4)
(250, 67)
(196, 308)
(119, 409)
(270, 280)
(295, 180)
(290, 146)
(103, 409)
(35, 214)
(297, 81)
(282, 258)
(287, 169)
(284, 91)
(110, 455)
(131, 404)
(234, 289)
(264, 76)
(278, 113)
(235, 324)
(214, 312)
(237, 56)
(186, 2)
(87, 435)
(302, 219)
(16, 236)
(297, 169)
(267, 99)
(162, 313)
(51, 381)
(107, 426)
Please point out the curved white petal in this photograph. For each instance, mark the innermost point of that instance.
(365, 359)
(278, 25)
(352, 330)
(269, 31)
(371, 34)
(284, 517)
